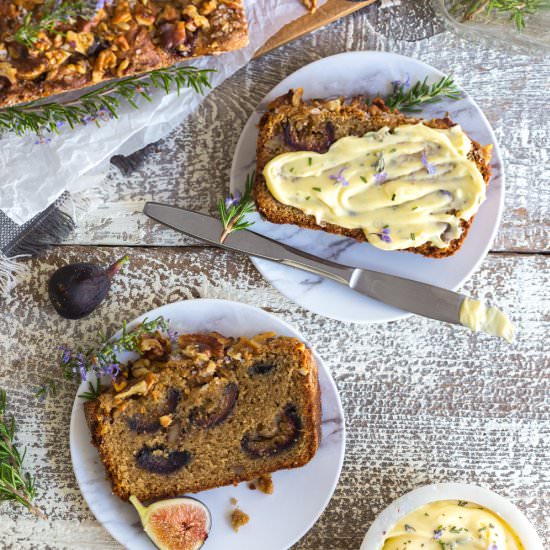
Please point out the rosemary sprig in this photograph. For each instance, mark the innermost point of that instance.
(54, 14)
(516, 9)
(93, 393)
(234, 208)
(421, 92)
(39, 117)
(103, 360)
(14, 484)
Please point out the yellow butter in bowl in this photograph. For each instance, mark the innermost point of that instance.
(452, 525)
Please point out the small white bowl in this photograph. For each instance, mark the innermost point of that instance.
(376, 535)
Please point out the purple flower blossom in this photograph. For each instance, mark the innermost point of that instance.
(428, 165)
(233, 200)
(446, 193)
(172, 334)
(338, 177)
(99, 5)
(437, 534)
(398, 83)
(385, 235)
(110, 369)
(381, 177)
(493, 547)
(80, 366)
(67, 354)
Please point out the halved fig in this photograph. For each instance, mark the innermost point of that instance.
(207, 418)
(147, 425)
(289, 430)
(175, 524)
(159, 460)
(260, 368)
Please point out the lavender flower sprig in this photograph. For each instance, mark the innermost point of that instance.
(81, 364)
(234, 208)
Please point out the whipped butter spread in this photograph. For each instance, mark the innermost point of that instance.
(402, 187)
(452, 525)
(477, 316)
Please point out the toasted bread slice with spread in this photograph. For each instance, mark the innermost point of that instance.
(292, 124)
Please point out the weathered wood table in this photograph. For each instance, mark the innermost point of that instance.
(424, 402)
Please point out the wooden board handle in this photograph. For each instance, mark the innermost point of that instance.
(330, 11)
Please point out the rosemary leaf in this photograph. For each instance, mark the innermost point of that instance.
(234, 208)
(37, 117)
(421, 92)
(52, 15)
(14, 484)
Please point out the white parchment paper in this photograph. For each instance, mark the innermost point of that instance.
(35, 170)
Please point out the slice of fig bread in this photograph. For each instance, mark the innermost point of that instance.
(209, 412)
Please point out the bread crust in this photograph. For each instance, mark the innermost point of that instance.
(343, 117)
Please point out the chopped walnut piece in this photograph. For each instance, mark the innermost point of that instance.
(106, 59)
(208, 6)
(165, 420)
(80, 41)
(57, 57)
(122, 14)
(8, 71)
(197, 20)
(141, 387)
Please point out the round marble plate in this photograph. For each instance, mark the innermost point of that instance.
(277, 520)
(369, 73)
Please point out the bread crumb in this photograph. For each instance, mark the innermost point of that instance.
(238, 519)
(252, 486)
(265, 484)
(233, 501)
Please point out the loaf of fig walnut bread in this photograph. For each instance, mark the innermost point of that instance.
(121, 38)
(209, 412)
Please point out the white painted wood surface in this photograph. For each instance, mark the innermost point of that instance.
(424, 402)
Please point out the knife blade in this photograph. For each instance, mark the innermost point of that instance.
(406, 294)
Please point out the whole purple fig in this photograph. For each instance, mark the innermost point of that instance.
(75, 290)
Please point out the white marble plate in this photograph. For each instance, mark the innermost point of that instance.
(369, 73)
(277, 520)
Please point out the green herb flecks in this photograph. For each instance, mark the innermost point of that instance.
(421, 92)
(318, 189)
(15, 485)
(233, 209)
(413, 237)
(52, 15)
(102, 103)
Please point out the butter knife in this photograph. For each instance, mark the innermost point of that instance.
(413, 296)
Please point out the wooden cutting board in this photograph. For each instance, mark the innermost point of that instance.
(327, 13)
